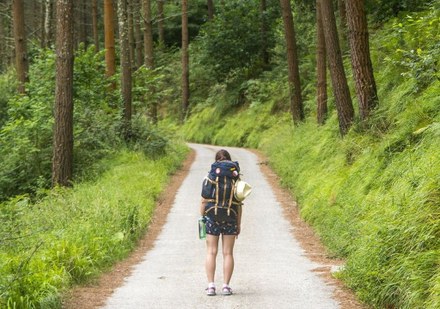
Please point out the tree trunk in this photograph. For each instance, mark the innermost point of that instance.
(41, 25)
(9, 33)
(109, 38)
(47, 23)
(321, 66)
(360, 58)
(62, 164)
(343, 24)
(344, 104)
(125, 66)
(138, 33)
(35, 17)
(160, 22)
(3, 47)
(185, 61)
(95, 24)
(83, 13)
(296, 103)
(264, 30)
(77, 24)
(148, 34)
(21, 59)
(131, 41)
(210, 5)
(149, 52)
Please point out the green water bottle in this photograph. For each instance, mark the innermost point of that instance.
(202, 228)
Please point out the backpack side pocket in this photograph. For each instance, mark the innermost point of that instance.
(208, 188)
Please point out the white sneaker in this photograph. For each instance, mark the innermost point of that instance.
(226, 291)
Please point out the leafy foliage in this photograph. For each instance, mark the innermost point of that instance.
(383, 10)
(8, 86)
(148, 138)
(418, 48)
(197, 16)
(225, 49)
(26, 137)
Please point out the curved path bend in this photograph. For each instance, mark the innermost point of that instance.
(271, 269)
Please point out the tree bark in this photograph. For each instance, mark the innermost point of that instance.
(149, 52)
(160, 22)
(360, 58)
(185, 61)
(344, 104)
(138, 33)
(131, 40)
(109, 38)
(321, 66)
(296, 103)
(62, 164)
(210, 4)
(3, 47)
(95, 24)
(83, 13)
(9, 32)
(47, 23)
(21, 58)
(343, 24)
(148, 34)
(35, 17)
(126, 79)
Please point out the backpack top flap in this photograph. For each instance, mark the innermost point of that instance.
(225, 168)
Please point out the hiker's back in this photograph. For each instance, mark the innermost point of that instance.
(218, 190)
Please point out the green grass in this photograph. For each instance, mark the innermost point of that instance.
(74, 234)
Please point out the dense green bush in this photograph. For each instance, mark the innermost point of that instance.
(8, 86)
(382, 10)
(159, 87)
(224, 49)
(413, 46)
(149, 139)
(197, 16)
(26, 136)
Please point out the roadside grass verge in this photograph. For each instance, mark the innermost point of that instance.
(72, 235)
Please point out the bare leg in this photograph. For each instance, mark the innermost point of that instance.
(211, 255)
(228, 242)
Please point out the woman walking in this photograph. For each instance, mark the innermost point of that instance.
(222, 212)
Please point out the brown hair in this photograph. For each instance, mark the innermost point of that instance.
(222, 155)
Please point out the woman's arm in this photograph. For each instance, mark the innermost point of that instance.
(202, 207)
(240, 207)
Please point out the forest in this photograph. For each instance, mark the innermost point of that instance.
(97, 100)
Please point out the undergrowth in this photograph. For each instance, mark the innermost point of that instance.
(73, 234)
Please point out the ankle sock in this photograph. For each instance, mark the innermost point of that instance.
(211, 285)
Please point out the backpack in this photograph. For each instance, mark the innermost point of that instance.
(218, 190)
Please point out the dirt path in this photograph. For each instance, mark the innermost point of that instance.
(96, 295)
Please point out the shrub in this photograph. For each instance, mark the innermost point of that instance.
(26, 136)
